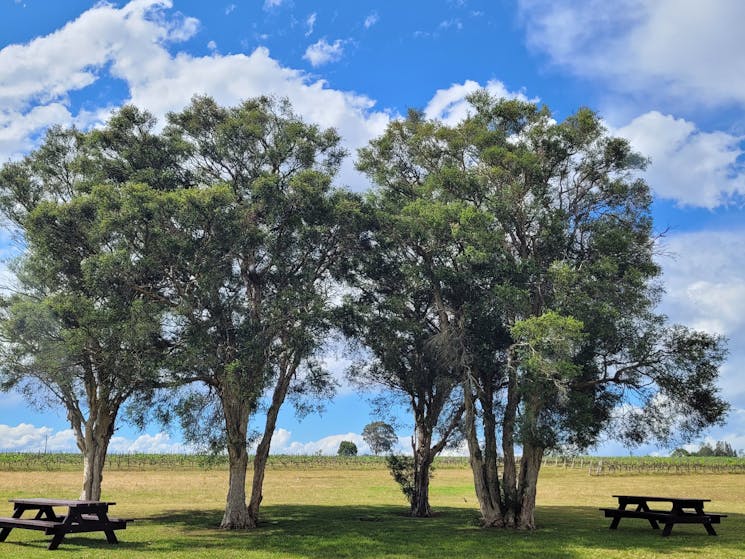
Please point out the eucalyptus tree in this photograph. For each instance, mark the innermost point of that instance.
(380, 436)
(390, 314)
(76, 332)
(249, 256)
(536, 241)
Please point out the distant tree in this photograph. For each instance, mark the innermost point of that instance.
(723, 448)
(680, 453)
(705, 450)
(347, 448)
(380, 436)
(720, 448)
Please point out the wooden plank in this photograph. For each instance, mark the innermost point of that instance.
(58, 502)
(28, 523)
(629, 498)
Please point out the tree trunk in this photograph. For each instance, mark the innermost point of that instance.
(530, 466)
(491, 514)
(509, 469)
(262, 451)
(94, 446)
(92, 436)
(422, 461)
(236, 413)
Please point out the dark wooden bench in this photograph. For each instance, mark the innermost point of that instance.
(82, 516)
(683, 511)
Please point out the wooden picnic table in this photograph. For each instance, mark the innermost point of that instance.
(683, 510)
(82, 516)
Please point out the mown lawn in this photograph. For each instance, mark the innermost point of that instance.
(338, 512)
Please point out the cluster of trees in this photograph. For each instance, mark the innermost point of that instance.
(720, 448)
(499, 277)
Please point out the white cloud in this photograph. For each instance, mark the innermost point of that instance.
(704, 278)
(695, 168)
(310, 23)
(371, 20)
(321, 52)
(682, 49)
(36, 78)
(229, 9)
(160, 443)
(450, 105)
(704, 275)
(269, 4)
(282, 443)
(451, 23)
(130, 44)
(212, 45)
(27, 437)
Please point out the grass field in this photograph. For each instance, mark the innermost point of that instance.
(342, 512)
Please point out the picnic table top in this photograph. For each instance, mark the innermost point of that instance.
(58, 502)
(665, 499)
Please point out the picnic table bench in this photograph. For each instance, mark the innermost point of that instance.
(82, 516)
(682, 511)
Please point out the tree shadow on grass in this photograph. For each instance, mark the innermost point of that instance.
(378, 531)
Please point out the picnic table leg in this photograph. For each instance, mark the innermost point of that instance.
(59, 535)
(110, 535)
(709, 528)
(17, 512)
(616, 519)
(668, 528)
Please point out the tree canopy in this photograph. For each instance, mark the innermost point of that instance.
(501, 275)
(533, 241)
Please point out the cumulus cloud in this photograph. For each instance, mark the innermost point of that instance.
(160, 443)
(669, 48)
(132, 44)
(282, 443)
(321, 52)
(704, 275)
(36, 77)
(688, 165)
(450, 106)
(25, 437)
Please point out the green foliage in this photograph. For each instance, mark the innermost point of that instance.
(347, 448)
(80, 331)
(402, 469)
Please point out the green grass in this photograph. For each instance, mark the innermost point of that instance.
(341, 512)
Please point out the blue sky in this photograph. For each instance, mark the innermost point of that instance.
(667, 74)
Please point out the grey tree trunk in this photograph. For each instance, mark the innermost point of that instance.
(92, 436)
(262, 451)
(236, 423)
(509, 473)
(422, 462)
(530, 466)
(486, 494)
(94, 447)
